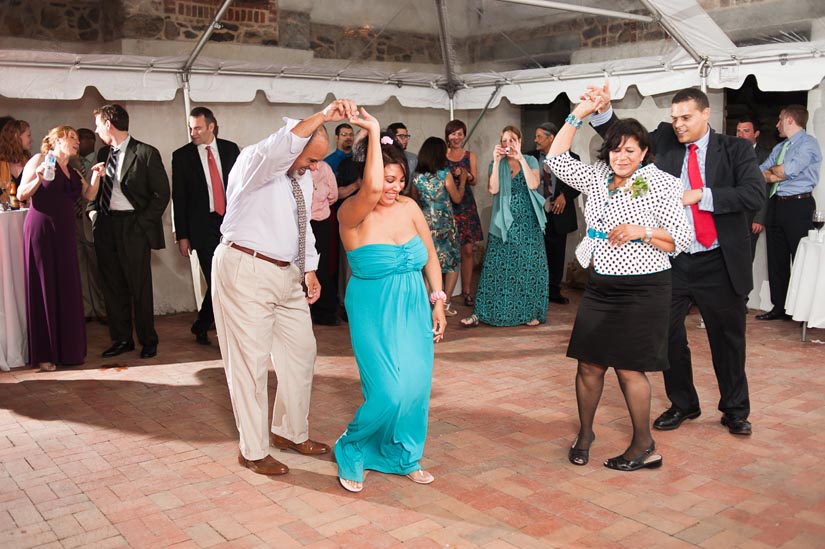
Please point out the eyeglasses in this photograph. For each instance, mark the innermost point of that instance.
(403, 135)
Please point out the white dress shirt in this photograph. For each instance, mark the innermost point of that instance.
(205, 163)
(118, 201)
(261, 213)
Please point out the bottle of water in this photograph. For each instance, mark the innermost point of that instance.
(48, 173)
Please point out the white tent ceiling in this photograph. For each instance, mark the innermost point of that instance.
(778, 66)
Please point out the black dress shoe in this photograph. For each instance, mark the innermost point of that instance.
(118, 348)
(737, 425)
(327, 321)
(149, 351)
(560, 299)
(202, 339)
(773, 315)
(674, 417)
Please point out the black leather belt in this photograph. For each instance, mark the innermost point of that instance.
(794, 196)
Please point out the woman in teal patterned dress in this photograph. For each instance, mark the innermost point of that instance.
(392, 326)
(435, 191)
(513, 288)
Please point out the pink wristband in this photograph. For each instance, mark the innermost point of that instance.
(438, 296)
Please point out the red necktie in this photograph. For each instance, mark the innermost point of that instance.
(702, 220)
(217, 184)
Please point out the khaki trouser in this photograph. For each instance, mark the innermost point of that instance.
(261, 313)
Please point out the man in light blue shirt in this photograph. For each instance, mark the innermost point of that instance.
(791, 172)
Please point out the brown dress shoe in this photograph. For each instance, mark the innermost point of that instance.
(308, 447)
(266, 466)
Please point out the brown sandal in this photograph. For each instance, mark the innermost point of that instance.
(468, 300)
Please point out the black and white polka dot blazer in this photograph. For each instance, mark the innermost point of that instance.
(661, 207)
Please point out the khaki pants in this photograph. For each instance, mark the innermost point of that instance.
(261, 313)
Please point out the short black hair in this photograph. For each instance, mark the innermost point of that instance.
(395, 126)
(692, 94)
(748, 119)
(339, 126)
(432, 156)
(85, 133)
(115, 114)
(207, 115)
(625, 129)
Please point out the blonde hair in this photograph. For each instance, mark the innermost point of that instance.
(52, 137)
(514, 130)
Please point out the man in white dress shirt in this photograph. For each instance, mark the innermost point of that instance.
(263, 280)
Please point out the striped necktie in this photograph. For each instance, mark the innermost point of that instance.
(108, 181)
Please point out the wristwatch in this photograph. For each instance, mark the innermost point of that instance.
(648, 235)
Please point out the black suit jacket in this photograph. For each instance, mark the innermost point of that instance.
(190, 195)
(566, 221)
(145, 185)
(738, 188)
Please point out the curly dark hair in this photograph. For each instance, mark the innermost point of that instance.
(390, 154)
(625, 129)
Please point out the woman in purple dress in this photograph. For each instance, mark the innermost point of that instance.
(54, 302)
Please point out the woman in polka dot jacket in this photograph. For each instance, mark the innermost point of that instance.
(635, 222)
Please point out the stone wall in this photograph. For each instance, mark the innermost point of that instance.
(261, 22)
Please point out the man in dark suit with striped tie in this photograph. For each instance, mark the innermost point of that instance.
(200, 171)
(127, 217)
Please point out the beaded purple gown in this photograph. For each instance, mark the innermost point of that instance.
(54, 299)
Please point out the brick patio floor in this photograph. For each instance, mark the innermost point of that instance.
(143, 453)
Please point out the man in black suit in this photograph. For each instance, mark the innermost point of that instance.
(561, 211)
(722, 185)
(746, 129)
(128, 224)
(200, 171)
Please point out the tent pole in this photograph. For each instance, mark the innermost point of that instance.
(481, 114)
(207, 33)
(704, 69)
(452, 108)
(187, 103)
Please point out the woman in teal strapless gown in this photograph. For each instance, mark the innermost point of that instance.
(392, 326)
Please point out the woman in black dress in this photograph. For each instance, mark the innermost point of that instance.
(635, 221)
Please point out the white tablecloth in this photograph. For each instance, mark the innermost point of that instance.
(13, 343)
(806, 292)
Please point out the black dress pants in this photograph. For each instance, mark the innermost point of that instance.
(555, 245)
(325, 310)
(206, 316)
(788, 222)
(124, 259)
(702, 278)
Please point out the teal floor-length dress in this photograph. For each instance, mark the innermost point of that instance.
(391, 329)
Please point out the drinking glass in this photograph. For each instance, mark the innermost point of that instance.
(819, 221)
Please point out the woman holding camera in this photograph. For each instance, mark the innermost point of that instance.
(513, 287)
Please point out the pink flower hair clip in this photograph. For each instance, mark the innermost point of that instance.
(387, 140)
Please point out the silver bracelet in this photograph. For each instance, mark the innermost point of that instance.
(648, 235)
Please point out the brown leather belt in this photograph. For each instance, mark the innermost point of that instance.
(259, 255)
(794, 197)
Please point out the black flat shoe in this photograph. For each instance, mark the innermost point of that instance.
(737, 425)
(673, 417)
(118, 348)
(648, 460)
(560, 299)
(202, 338)
(578, 456)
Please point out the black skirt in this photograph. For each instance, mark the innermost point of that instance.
(623, 321)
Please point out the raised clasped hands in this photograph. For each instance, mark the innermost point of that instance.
(338, 110)
(365, 120)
